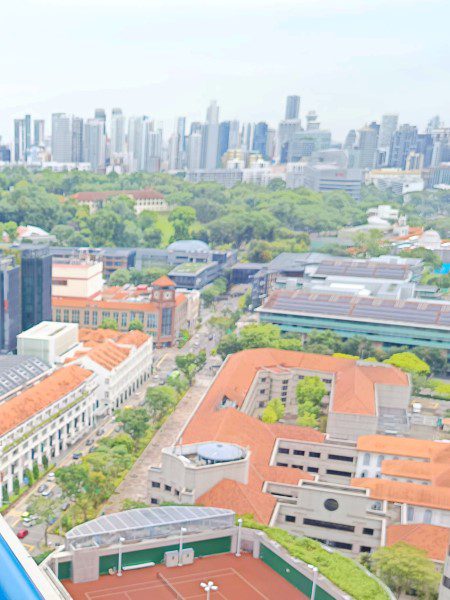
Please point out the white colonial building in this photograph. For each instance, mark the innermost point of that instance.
(43, 420)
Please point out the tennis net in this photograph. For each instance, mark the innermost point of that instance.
(176, 594)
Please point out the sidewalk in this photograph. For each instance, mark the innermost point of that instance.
(135, 484)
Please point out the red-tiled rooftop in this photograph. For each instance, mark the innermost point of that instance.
(354, 388)
(432, 496)
(431, 538)
(35, 399)
(354, 391)
(145, 194)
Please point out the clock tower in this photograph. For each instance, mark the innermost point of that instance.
(163, 296)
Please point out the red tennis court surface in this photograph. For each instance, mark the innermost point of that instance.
(244, 578)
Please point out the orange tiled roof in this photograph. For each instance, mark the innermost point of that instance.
(26, 404)
(147, 194)
(229, 493)
(387, 444)
(431, 538)
(431, 496)
(353, 392)
(408, 469)
(108, 347)
(62, 302)
(164, 281)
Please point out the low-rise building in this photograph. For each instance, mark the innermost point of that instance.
(77, 278)
(194, 276)
(49, 341)
(122, 362)
(412, 322)
(146, 199)
(162, 310)
(44, 420)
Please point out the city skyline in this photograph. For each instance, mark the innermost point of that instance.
(350, 64)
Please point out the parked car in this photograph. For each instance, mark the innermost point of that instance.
(25, 514)
(89, 442)
(42, 488)
(22, 533)
(77, 455)
(65, 506)
(92, 449)
(100, 432)
(47, 493)
(51, 476)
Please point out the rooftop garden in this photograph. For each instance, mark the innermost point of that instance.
(344, 572)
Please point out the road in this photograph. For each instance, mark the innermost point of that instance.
(164, 363)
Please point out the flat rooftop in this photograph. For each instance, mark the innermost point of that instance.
(367, 269)
(417, 313)
(191, 268)
(47, 329)
(243, 577)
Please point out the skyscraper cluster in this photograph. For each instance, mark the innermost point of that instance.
(136, 143)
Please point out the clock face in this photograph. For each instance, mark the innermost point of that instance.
(156, 294)
(167, 295)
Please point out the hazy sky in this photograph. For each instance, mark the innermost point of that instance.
(351, 60)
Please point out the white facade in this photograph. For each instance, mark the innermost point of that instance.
(116, 385)
(48, 432)
(48, 341)
(81, 279)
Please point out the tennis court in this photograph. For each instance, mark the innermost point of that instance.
(244, 578)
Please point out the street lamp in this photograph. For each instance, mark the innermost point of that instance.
(180, 550)
(315, 571)
(209, 587)
(119, 566)
(239, 537)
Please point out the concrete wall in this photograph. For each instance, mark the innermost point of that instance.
(362, 527)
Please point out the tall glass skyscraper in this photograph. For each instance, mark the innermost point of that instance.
(36, 269)
(292, 107)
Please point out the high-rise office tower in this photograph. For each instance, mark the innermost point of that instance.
(194, 151)
(224, 140)
(350, 140)
(367, 147)
(211, 136)
(260, 138)
(136, 127)
(10, 304)
(19, 140)
(248, 130)
(389, 124)
(403, 142)
(27, 133)
(39, 132)
(424, 146)
(181, 131)
(100, 115)
(117, 131)
(234, 136)
(312, 123)
(151, 148)
(77, 139)
(292, 107)
(177, 145)
(196, 127)
(271, 143)
(285, 137)
(433, 123)
(61, 137)
(94, 144)
(36, 267)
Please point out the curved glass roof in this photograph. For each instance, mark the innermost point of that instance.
(147, 523)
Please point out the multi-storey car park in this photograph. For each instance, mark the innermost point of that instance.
(390, 322)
